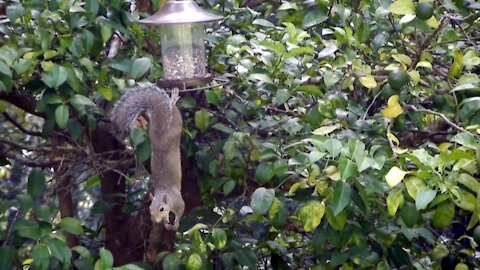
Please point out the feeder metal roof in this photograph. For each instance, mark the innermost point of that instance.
(180, 11)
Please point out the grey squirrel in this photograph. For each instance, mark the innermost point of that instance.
(165, 127)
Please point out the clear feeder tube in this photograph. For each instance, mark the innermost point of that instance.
(183, 51)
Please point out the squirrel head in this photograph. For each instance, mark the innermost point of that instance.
(167, 207)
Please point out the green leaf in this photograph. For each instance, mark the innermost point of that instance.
(194, 262)
(228, 186)
(4, 69)
(315, 17)
(246, 257)
(202, 120)
(326, 129)
(341, 197)
(327, 51)
(333, 146)
(309, 88)
(27, 228)
(466, 201)
(219, 238)
(465, 139)
(40, 256)
(311, 215)
(82, 251)
(264, 172)
(71, 225)
(414, 185)
(61, 116)
(410, 214)
(278, 214)
(457, 66)
(394, 176)
(59, 250)
(470, 182)
(7, 254)
(55, 77)
(262, 199)
(36, 183)
(263, 22)
(171, 262)
(140, 66)
(402, 7)
(336, 221)
(106, 258)
(347, 168)
(212, 97)
(443, 215)
(368, 81)
(79, 101)
(394, 200)
(470, 59)
(424, 197)
(144, 150)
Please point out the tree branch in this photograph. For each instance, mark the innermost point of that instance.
(22, 101)
(26, 161)
(448, 121)
(20, 127)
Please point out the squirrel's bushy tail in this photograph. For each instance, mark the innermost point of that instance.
(145, 99)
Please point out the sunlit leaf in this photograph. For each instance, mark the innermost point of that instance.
(393, 109)
(368, 81)
(402, 7)
(311, 214)
(394, 200)
(394, 176)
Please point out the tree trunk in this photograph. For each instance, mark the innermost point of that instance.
(113, 188)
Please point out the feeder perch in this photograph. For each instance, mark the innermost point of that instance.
(182, 37)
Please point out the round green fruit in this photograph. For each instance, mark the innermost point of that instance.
(476, 234)
(387, 91)
(424, 11)
(397, 78)
(439, 101)
(449, 262)
(461, 266)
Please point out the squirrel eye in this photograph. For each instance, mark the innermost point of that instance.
(161, 209)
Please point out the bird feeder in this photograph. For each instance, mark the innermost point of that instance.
(182, 37)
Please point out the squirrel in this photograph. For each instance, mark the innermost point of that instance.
(165, 127)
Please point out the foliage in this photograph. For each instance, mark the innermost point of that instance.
(304, 160)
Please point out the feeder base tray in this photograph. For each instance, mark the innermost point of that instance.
(184, 83)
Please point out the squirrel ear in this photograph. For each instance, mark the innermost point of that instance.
(165, 199)
(151, 196)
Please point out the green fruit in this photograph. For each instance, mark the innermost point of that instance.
(387, 91)
(461, 266)
(439, 101)
(424, 11)
(397, 78)
(476, 234)
(449, 262)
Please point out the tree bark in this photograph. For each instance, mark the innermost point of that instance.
(62, 188)
(113, 188)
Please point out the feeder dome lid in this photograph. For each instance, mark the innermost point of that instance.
(180, 11)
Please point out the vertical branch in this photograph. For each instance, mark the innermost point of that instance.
(62, 188)
(113, 188)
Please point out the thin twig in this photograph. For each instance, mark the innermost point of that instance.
(371, 104)
(448, 121)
